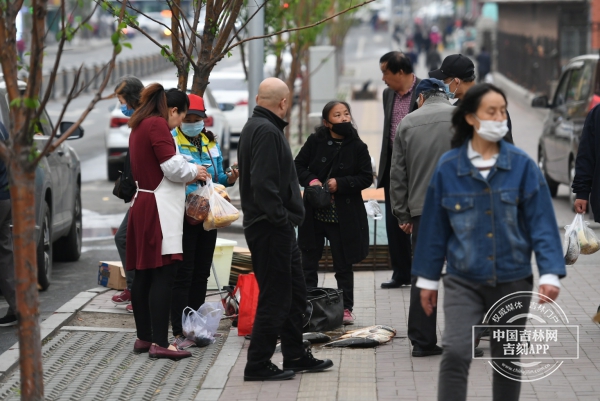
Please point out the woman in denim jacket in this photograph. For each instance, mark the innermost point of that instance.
(198, 146)
(487, 208)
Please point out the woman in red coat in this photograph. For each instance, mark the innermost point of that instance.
(155, 226)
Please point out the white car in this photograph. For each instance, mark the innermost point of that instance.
(231, 91)
(117, 134)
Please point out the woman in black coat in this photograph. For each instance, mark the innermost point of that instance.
(335, 156)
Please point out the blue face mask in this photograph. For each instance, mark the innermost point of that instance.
(451, 94)
(126, 110)
(192, 129)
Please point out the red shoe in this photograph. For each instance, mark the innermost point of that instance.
(122, 298)
(160, 352)
(141, 346)
(129, 308)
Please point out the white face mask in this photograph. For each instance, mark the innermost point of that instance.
(491, 130)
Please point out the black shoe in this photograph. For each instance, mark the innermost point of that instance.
(269, 372)
(419, 352)
(394, 284)
(308, 363)
(478, 352)
(8, 320)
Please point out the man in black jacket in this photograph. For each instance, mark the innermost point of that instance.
(586, 182)
(7, 266)
(272, 207)
(398, 100)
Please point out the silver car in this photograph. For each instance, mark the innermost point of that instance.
(57, 196)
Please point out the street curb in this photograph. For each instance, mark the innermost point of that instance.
(9, 360)
(218, 374)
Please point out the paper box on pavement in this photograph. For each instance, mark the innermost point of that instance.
(112, 275)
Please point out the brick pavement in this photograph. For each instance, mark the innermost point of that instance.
(389, 372)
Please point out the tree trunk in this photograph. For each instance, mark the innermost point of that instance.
(22, 192)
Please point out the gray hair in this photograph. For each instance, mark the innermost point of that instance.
(130, 88)
(434, 92)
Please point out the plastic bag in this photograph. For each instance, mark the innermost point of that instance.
(248, 302)
(201, 326)
(571, 246)
(588, 242)
(197, 205)
(373, 209)
(221, 213)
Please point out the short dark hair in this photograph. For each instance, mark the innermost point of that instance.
(131, 89)
(397, 61)
(463, 131)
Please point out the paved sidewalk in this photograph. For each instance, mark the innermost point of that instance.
(389, 372)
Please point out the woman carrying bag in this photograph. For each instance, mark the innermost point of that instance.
(335, 157)
(155, 226)
(198, 146)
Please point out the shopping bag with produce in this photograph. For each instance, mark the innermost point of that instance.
(588, 242)
(221, 213)
(571, 243)
(197, 205)
(201, 326)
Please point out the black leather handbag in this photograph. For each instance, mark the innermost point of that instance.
(324, 309)
(125, 187)
(318, 196)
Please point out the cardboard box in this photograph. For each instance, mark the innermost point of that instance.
(112, 275)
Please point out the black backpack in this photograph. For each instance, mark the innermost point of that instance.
(125, 187)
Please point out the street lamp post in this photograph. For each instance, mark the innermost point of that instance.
(256, 27)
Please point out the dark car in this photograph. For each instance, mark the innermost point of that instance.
(58, 214)
(578, 91)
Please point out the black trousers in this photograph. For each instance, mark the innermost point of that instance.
(398, 241)
(343, 270)
(151, 301)
(189, 288)
(276, 261)
(421, 328)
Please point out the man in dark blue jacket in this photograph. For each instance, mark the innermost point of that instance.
(7, 266)
(586, 183)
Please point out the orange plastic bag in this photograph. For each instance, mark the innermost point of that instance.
(248, 300)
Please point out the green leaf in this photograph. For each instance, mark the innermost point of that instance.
(118, 48)
(115, 38)
(31, 103)
(127, 45)
(229, 54)
(122, 26)
(88, 27)
(16, 102)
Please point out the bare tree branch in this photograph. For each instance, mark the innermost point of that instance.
(292, 29)
(90, 107)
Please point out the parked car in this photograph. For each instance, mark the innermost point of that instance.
(57, 196)
(578, 91)
(117, 133)
(230, 89)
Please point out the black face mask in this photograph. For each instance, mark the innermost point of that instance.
(343, 129)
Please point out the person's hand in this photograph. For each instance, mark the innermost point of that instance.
(407, 227)
(332, 184)
(580, 205)
(316, 182)
(233, 176)
(428, 300)
(550, 291)
(202, 174)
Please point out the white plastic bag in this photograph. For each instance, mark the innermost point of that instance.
(373, 209)
(197, 205)
(222, 213)
(201, 326)
(588, 242)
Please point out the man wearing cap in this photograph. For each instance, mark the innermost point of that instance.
(398, 100)
(458, 73)
(422, 138)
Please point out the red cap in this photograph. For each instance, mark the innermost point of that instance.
(196, 106)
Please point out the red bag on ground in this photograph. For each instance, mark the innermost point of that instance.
(249, 299)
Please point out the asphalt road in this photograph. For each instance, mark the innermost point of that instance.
(103, 212)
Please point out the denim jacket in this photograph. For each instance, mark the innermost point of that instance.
(192, 154)
(487, 229)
